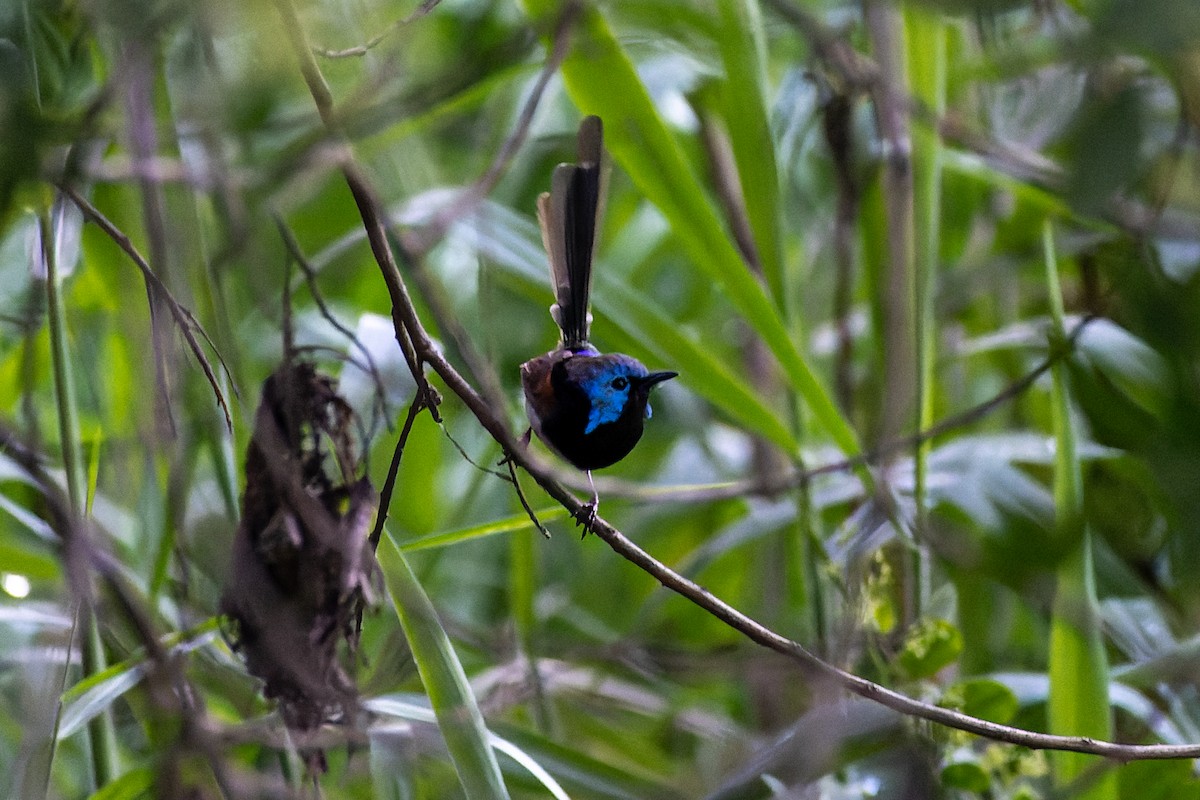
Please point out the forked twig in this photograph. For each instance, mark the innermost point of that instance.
(537, 523)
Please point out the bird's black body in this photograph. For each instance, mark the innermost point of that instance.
(577, 411)
(586, 406)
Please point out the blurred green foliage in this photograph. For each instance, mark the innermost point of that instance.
(746, 246)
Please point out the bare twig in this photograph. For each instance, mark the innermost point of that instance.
(529, 512)
(413, 247)
(454, 332)
(286, 322)
(729, 190)
(138, 68)
(482, 187)
(854, 69)
(364, 198)
(462, 451)
(373, 42)
(389, 483)
(405, 314)
(184, 319)
(310, 278)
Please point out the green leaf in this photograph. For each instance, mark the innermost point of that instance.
(130, 786)
(1132, 365)
(966, 775)
(978, 168)
(1159, 780)
(1078, 666)
(516, 522)
(391, 765)
(987, 699)
(930, 645)
(1121, 383)
(744, 107)
(444, 679)
(26, 560)
(593, 777)
(96, 694)
(396, 706)
(1106, 143)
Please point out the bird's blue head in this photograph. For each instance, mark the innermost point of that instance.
(613, 382)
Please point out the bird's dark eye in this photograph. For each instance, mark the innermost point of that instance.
(619, 383)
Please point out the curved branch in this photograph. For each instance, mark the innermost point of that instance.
(404, 313)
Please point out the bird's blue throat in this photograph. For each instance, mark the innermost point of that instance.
(608, 384)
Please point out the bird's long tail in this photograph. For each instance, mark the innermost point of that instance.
(569, 214)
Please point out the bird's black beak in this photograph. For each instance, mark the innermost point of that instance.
(657, 377)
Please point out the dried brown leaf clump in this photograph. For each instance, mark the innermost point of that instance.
(301, 565)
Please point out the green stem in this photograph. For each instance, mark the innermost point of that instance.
(64, 383)
(102, 733)
(927, 75)
(1078, 704)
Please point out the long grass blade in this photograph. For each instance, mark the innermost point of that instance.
(1079, 702)
(926, 52)
(744, 106)
(103, 738)
(445, 681)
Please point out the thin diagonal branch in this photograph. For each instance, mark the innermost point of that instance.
(413, 247)
(389, 483)
(482, 187)
(426, 351)
(529, 512)
(184, 319)
(373, 42)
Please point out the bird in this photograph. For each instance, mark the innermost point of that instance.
(586, 406)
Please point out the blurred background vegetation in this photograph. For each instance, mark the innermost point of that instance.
(841, 223)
